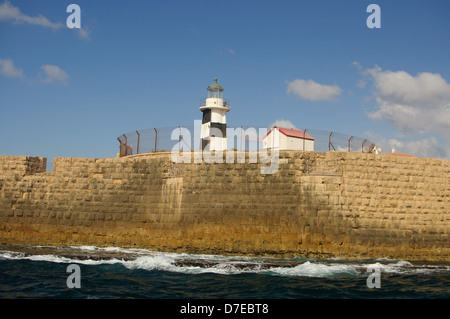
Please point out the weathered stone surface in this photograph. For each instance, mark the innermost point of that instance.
(334, 204)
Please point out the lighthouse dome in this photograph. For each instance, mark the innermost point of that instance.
(215, 87)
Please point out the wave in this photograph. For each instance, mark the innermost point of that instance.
(200, 264)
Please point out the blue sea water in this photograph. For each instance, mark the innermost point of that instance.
(117, 273)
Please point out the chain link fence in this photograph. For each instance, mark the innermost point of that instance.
(241, 138)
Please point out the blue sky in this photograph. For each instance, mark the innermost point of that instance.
(143, 64)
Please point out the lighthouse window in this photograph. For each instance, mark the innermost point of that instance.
(219, 129)
(206, 116)
(215, 94)
(204, 143)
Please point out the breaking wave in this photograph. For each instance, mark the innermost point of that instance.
(225, 265)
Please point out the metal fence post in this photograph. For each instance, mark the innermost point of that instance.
(179, 139)
(304, 134)
(329, 142)
(156, 137)
(139, 136)
(120, 147)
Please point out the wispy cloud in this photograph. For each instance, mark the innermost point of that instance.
(84, 33)
(361, 84)
(8, 69)
(417, 106)
(227, 51)
(284, 124)
(311, 90)
(413, 104)
(428, 147)
(54, 74)
(9, 13)
(12, 14)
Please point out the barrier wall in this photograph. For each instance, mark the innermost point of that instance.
(334, 204)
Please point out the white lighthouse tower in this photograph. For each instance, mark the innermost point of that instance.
(214, 122)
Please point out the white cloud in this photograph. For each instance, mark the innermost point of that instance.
(357, 65)
(414, 104)
(284, 124)
(9, 13)
(13, 14)
(361, 84)
(8, 69)
(227, 51)
(310, 90)
(84, 33)
(427, 147)
(402, 88)
(54, 74)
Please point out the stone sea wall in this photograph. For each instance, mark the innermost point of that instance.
(334, 204)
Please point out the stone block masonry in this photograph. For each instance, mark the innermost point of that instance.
(335, 204)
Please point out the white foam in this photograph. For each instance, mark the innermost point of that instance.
(173, 262)
(85, 247)
(150, 262)
(166, 262)
(225, 266)
(314, 269)
(56, 258)
(110, 249)
(400, 267)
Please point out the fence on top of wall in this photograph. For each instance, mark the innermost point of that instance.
(240, 138)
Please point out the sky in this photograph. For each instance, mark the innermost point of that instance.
(70, 92)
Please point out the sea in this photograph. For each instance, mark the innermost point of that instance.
(184, 283)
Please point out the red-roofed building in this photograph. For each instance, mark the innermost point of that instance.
(288, 139)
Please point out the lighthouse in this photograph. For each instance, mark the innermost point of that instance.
(214, 121)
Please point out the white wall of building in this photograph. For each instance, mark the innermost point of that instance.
(218, 116)
(287, 142)
(218, 144)
(293, 143)
(215, 142)
(205, 130)
(214, 101)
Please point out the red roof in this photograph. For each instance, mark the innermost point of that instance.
(398, 154)
(293, 133)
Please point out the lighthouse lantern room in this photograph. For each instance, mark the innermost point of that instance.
(214, 122)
